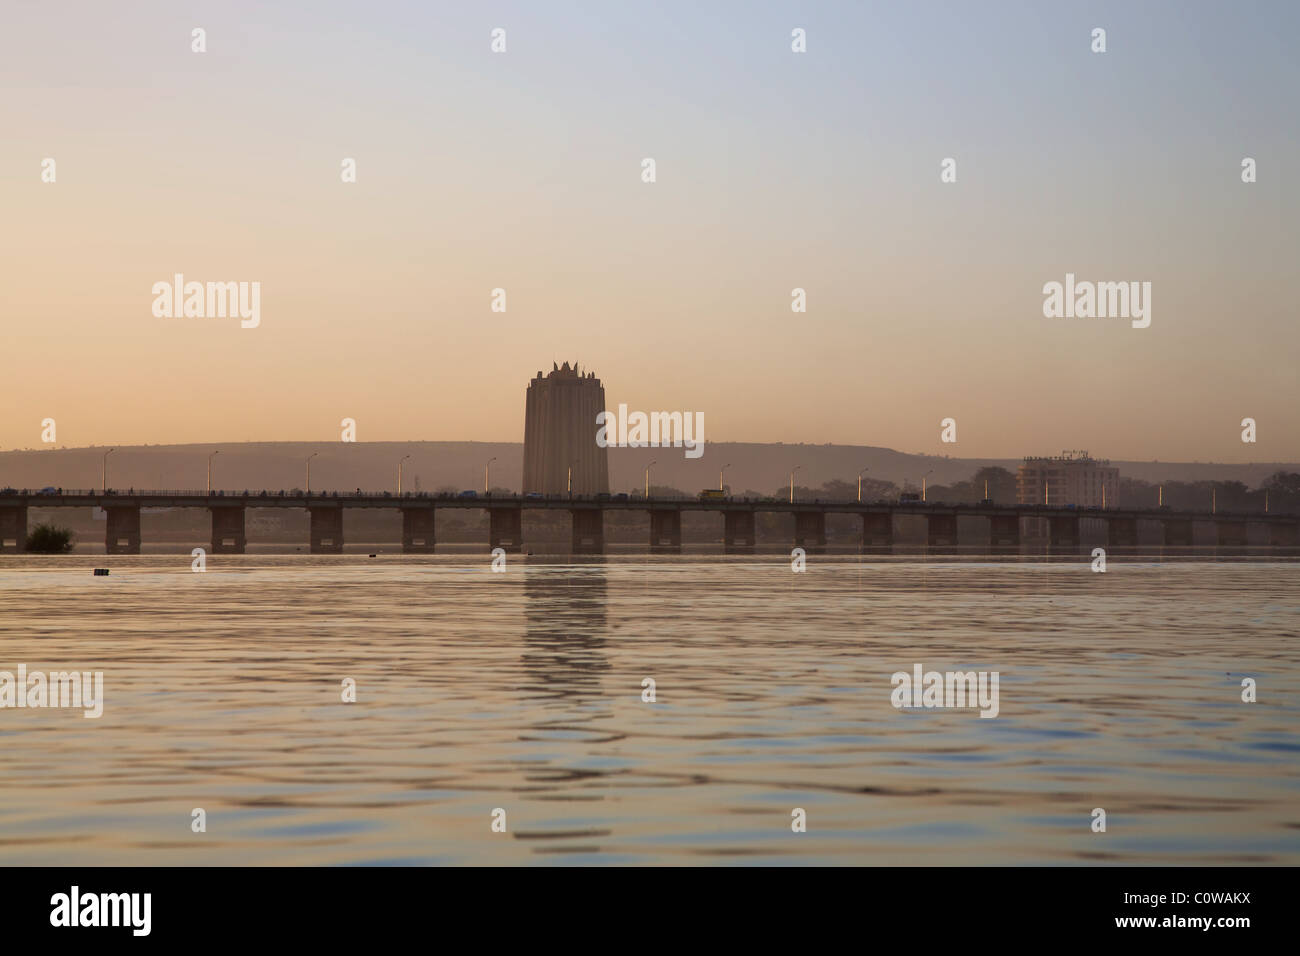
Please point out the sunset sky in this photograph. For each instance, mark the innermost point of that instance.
(775, 170)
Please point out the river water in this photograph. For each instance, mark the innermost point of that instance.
(522, 691)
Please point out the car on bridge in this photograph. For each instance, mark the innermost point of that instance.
(48, 490)
(468, 494)
(713, 494)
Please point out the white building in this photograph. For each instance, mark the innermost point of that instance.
(1073, 478)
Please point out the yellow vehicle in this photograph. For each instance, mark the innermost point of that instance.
(712, 494)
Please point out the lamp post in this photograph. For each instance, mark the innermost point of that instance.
(792, 471)
(399, 475)
(486, 487)
(309, 458)
(210, 457)
(721, 486)
(104, 490)
(923, 477)
(860, 474)
(571, 464)
(647, 477)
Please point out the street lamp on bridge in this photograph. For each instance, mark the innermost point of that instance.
(721, 486)
(399, 475)
(792, 471)
(210, 457)
(106, 454)
(309, 458)
(860, 474)
(486, 488)
(647, 477)
(923, 477)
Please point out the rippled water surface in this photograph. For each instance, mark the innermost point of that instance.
(523, 691)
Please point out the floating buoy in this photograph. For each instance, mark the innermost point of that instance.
(372, 555)
(99, 571)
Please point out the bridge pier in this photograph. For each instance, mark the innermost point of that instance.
(738, 532)
(1178, 533)
(1284, 534)
(877, 532)
(506, 529)
(13, 529)
(1151, 535)
(228, 530)
(666, 532)
(1205, 533)
(122, 531)
(1121, 533)
(941, 532)
(588, 531)
(1004, 534)
(417, 531)
(326, 530)
(1063, 534)
(1231, 534)
(810, 531)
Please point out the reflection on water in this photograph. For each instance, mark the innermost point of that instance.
(564, 632)
(522, 691)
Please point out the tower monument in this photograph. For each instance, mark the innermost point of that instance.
(560, 433)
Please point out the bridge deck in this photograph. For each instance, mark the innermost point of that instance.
(279, 499)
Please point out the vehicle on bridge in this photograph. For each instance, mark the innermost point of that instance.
(908, 497)
(713, 494)
(468, 494)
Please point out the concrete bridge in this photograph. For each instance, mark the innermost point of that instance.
(992, 529)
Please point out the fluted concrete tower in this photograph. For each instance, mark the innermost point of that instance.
(560, 430)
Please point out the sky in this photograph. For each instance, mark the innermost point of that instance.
(775, 170)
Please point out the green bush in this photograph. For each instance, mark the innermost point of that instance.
(49, 539)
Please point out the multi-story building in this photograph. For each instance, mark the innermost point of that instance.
(1073, 478)
(560, 434)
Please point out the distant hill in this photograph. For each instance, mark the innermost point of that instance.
(372, 466)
